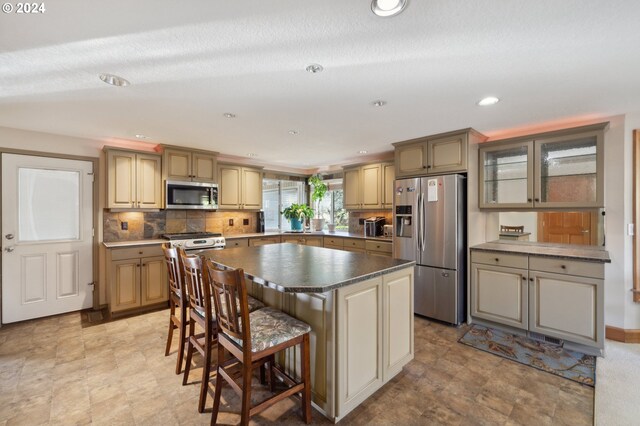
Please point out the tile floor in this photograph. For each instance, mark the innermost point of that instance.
(57, 370)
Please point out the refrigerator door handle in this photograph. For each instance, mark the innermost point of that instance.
(421, 241)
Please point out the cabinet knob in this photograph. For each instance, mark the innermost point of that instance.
(424, 167)
(428, 167)
(524, 278)
(497, 259)
(563, 266)
(531, 279)
(140, 252)
(536, 199)
(529, 200)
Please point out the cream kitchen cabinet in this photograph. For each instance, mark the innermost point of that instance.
(368, 187)
(566, 300)
(305, 240)
(137, 277)
(261, 241)
(500, 293)
(134, 180)
(562, 169)
(237, 242)
(553, 296)
(197, 166)
(379, 248)
(442, 153)
(239, 187)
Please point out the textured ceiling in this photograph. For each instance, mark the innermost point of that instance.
(190, 62)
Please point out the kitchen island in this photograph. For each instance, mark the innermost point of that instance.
(359, 307)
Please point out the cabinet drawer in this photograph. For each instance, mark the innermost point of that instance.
(500, 259)
(237, 242)
(567, 267)
(354, 243)
(264, 240)
(136, 252)
(378, 246)
(334, 242)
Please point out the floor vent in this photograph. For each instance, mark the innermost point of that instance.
(546, 339)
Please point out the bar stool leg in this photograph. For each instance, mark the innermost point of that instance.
(306, 377)
(219, 382)
(183, 329)
(171, 327)
(187, 366)
(246, 393)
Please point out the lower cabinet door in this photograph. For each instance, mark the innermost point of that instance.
(125, 284)
(568, 307)
(397, 321)
(359, 323)
(155, 287)
(500, 294)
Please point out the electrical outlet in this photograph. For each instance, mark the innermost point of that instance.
(245, 221)
(230, 222)
(360, 221)
(630, 229)
(124, 226)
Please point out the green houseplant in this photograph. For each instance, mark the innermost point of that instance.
(319, 191)
(296, 213)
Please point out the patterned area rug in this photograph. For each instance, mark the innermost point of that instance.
(554, 359)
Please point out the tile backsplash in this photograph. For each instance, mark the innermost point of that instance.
(145, 225)
(354, 219)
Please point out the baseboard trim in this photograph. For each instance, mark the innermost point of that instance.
(622, 335)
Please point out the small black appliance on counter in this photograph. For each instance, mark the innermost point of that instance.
(260, 222)
(373, 226)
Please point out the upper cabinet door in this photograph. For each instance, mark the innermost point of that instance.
(178, 164)
(569, 171)
(251, 188)
(351, 184)
(448, 154)
(149, 181)
(506, 175)
(121, 179)
(229, 187)
(371, 186)
(388, 177)
(203, 167)
(411, 159)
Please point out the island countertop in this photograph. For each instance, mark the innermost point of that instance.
(296, 268)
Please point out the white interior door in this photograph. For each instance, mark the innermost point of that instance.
(47, 236)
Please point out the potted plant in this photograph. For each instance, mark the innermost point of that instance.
(296, 213)
(319, 191)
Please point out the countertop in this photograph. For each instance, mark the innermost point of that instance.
(310, 234)
(564, 251)
(120, 244)
(296, 268)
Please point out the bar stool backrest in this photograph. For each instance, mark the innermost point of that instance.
(199, 294)
(176, 272)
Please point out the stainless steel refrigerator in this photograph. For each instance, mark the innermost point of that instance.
(430, 227)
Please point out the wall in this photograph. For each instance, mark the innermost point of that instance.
(631, 309)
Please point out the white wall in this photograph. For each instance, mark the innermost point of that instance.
(631, 309)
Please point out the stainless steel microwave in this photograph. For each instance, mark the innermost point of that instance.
(191, 195)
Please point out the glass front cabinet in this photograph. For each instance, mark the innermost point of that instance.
(551, 170)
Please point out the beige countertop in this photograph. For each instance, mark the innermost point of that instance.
(117, 244)
(564, 251)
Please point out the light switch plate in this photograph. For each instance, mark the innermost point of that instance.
(630, 229)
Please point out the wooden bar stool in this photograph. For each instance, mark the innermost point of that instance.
(177, 299)
(253, 339)
(201, 313)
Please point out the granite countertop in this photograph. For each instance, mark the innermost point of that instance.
(564, 251)
(117, 244)
(296, 268)
(310, 234)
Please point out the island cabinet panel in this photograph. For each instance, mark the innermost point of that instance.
(398, 322)
(500, 294)
(359, 343)
(567, 307)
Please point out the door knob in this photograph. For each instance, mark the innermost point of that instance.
(9, 236)
(8, 249)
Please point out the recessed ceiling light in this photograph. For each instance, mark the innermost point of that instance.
(379, 103)
(229, 115)
(314, 68)
(362, 151)
(293, 132)
(114, 80)
(142, 136)
(489, 100)
(252, 154)
(386, 8)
